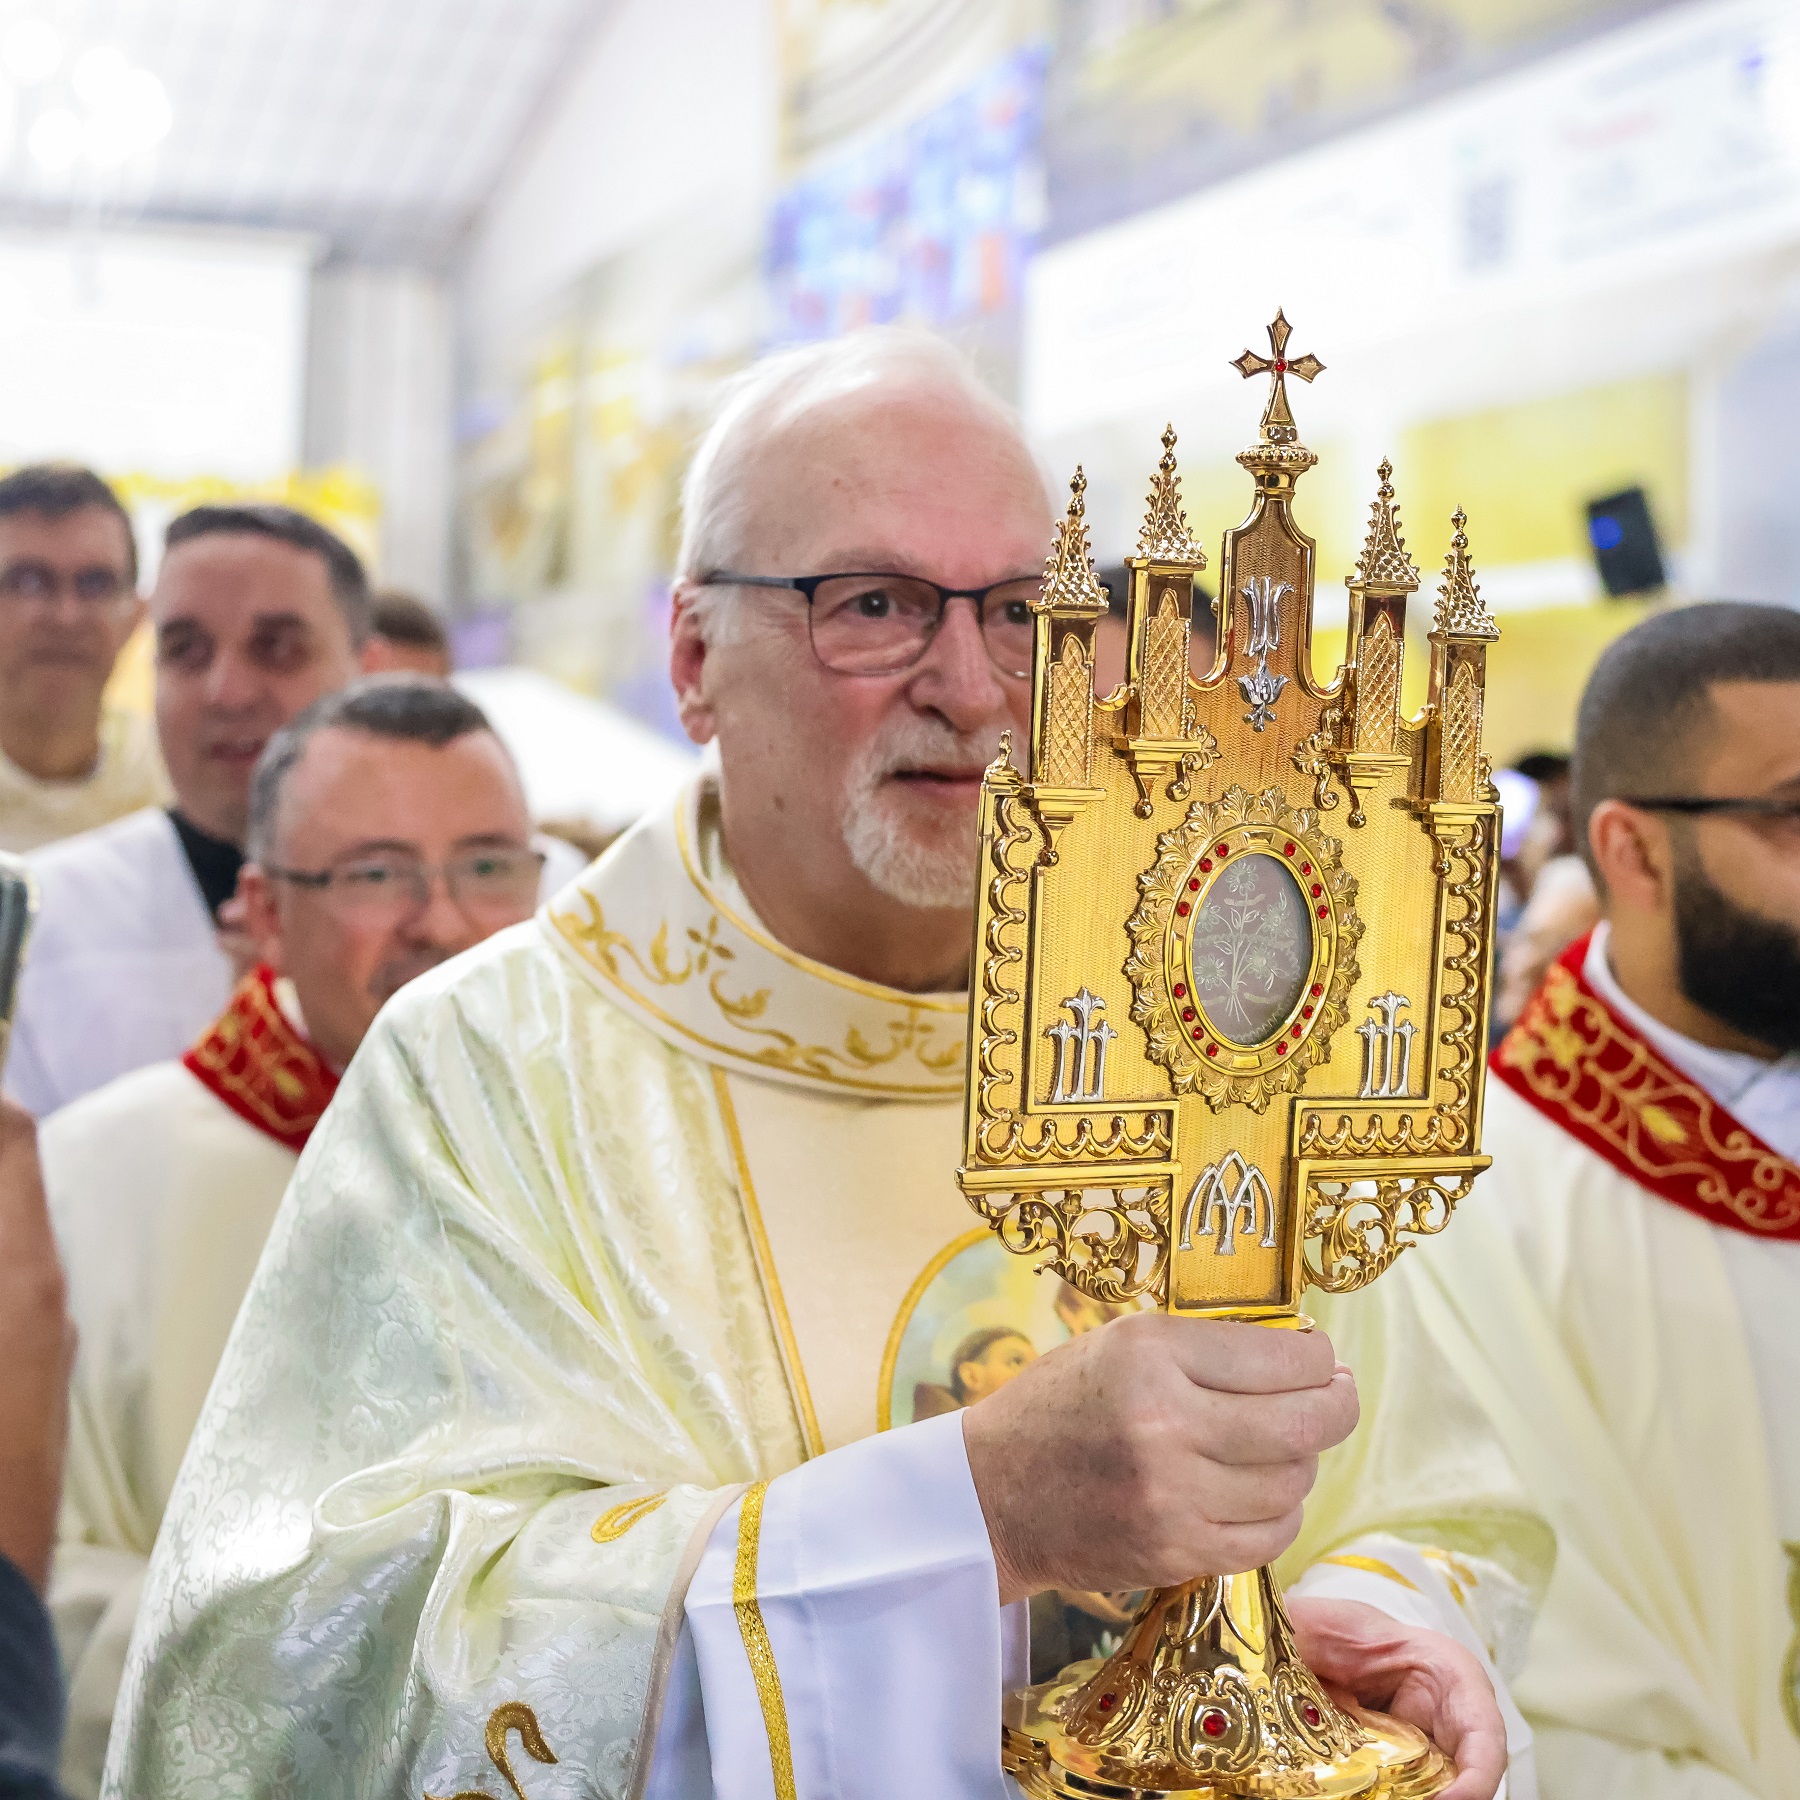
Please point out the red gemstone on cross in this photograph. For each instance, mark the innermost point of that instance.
(1107, 1702)
(1312, 1715)
(1281, 365)
(1213, 1722)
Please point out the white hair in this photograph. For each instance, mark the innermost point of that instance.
(771, 394)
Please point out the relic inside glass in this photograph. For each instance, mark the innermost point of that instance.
(1252, 948)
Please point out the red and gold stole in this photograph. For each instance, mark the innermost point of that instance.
(1582, 1065)
(261, 1067)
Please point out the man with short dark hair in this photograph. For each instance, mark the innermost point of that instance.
(406, 635)
(258, 611)
(1623, 1292)
(68, 603)
(387, 832)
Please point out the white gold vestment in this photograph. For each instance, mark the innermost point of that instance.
(621, 1238)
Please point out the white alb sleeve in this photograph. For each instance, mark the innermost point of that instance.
(1465, 1597)
(882, 1651)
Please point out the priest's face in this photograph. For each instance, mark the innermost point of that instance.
(248, 634)
(428, 850)
(1736, 879)
(849, 799)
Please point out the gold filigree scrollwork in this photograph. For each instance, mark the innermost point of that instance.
(1378, 687)
(1068, 717)
(1459, 761)
(1462, 867)
(1355, 1228)
(1382, 1134)
(1153, 1005)
(1014, 832)
(1193, 762)
(1111, 1243)
(515, 1715)
(1140, 1138)
(1312, 757)
(1164, 681)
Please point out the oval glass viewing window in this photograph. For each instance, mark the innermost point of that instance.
(1251, 949)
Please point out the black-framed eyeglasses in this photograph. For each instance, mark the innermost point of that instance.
(389, 884)
(882, 624)
(32, 581)
(1756, 806)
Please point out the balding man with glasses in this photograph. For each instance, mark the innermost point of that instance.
(387, 832)
(551, 1432)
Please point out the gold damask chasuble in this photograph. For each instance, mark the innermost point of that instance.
(841, 1100)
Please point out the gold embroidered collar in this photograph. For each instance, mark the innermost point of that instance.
(660, 939)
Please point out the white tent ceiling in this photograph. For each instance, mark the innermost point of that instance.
(380, 124)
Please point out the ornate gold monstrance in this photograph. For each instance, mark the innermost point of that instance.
(1222, 1051)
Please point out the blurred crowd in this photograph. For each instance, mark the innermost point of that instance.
(229, 885)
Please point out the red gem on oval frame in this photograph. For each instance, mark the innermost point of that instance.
(1194, 884)
(1222, 850)
(1181, 906)
(1306, 1012)
(1213, 1722)
(1281, 1049)
(1295, 1032)
(1180, 991)
(1317, 990)
(1312, 1715)
(1324, 912)
(1287, 849)
(1211, 1049)
(1306, 868)
(1187, 1014)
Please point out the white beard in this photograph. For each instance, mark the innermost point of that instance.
(910, 859)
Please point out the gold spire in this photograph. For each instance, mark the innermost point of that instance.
(1070, 584)
(1384, 562)
(1460, 612)
(1165, 537)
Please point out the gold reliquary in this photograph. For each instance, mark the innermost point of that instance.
(1229, 1014)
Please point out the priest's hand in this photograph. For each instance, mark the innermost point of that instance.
(37, 1350)
(1420, 1676)
(1153, 1451)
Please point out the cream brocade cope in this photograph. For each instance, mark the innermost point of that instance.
(630, 1199)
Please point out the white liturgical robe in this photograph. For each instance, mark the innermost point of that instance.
(1623, 1294)
(128, 775)
(124, 966)
(162, 1187)
(547, 1445)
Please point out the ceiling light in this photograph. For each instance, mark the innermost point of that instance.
(98, 75)
(30, 50)
(138, 116)
(57, 139)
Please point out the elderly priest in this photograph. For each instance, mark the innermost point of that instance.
(545, 1454)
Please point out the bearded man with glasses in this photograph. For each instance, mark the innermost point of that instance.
(387, 832)
(551, 1426)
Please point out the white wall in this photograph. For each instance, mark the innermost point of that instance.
(379, 398)
(671, 110)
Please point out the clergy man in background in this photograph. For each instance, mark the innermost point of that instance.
(258, 611)
(1623, 1290)
(387, 832)
(545, 1449)
(68, 603)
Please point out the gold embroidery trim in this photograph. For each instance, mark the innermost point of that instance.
(1563, 1035)
(786, 1342)
(617, 1520)
(1371, 1565)
(515, 1715)
(756, 1641)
